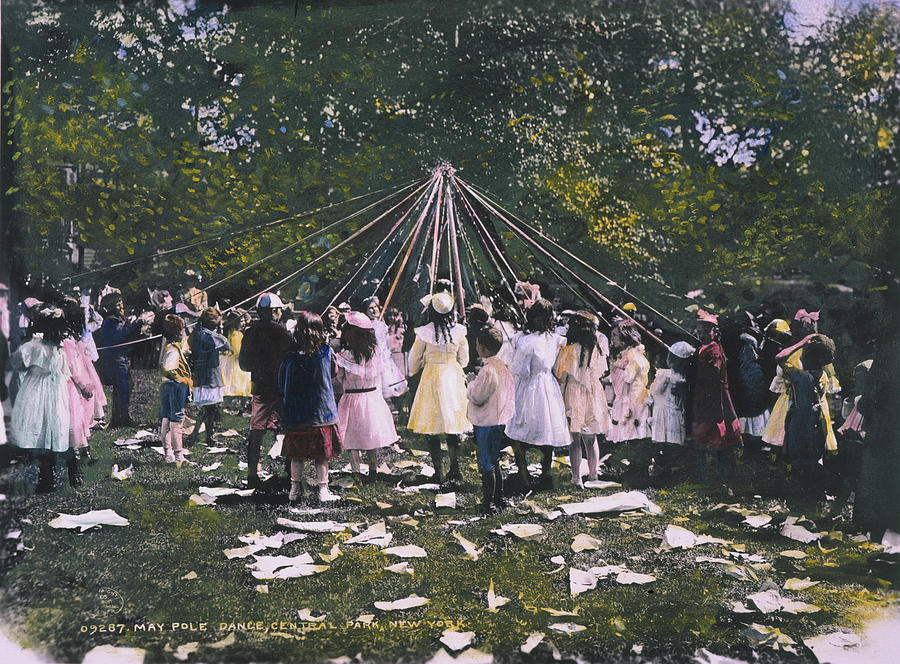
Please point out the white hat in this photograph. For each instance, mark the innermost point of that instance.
(682, 349)
(269, 301)
(442, 303)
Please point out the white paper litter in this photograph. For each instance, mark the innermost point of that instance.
(601, 484)
(470, 656)
(216, 450)
(376, 534)
(707, 559)
(457, 640)
(108, 654)
(190, 576)
(584, 542)
(540, 511)
(406, 603)
(567, 628)
(468, 546)
(275, 451)
(769, 636)
(704, 656)
(799, 533)
(525, 531)
(185, 650)
(243, 551)
(263, 588)
(229, 433)
(891, 541)
(629, 577)
(88, 520)
(400, 568)
(416, 488)
(219, 491)
(426, 470)
(224, 643)
(313, 526)
(739, 607)
(757, 520)
(365, 618)
(623, 501)
(495, 601)
(676, 537)
(212, 466)
(275, 541)
(767, 602)
(793, 553)
(557, 613)
(123, 474)
(445, 500)
(331, 555)
(307, 616)
(831, 648)
(284, 567)
(799, 584)
(532, 642)
(406, 551)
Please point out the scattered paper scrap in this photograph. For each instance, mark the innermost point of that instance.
(741, 572)
(211, 467)
(495, 601)
(704, 656)
(532, 642)
(406, 551)
(525, 531)
(768, 636)
(216, 450)
(445, 500)
(757, 520)
(365, 618)
(416, 488)
(832, 647)
(469, 547)
(400, 568)
(556, 613)
(799, 533)
(108, 654)
(584, 542)
(244, 551)
(376, 534)
(676, 537)
(707, 559)
(263, 588)
(313, 526)
(223, 643)
(793, 553)
(399, 605)
(622, 501)
(601, 484)
(307, 616)
(331, 555)
(123, 474)
(799, 584)
(185, 650)
(891, 541)
(383, 506)
(567, 628)
(219, 491)
(190, 576)
(470, 656)
(229, 433)
(457, 640)
(738, 607)
(284, 567)
(88, 520)
(768, 602)
(550, 515)
(629, 577)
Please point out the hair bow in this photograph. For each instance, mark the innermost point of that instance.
(805, 316)
(530, 291)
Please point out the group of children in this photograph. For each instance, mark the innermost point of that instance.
(328, 384)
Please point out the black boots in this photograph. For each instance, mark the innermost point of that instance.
(434, 447)
(499, 500)
(254, 443)
(76, 479)
(488, 487)
(46, 473)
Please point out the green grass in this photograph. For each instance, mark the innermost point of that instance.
(68, 582)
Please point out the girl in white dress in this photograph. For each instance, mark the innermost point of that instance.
(668, 392)
(40, 416)
(540, 417)
(579, 369)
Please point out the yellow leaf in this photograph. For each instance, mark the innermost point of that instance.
(884, 137)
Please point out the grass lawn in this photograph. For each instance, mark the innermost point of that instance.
(154, 583)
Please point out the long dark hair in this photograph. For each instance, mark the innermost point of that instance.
(309, 333)
(52, 327)
(359, 341)
(582, 332)
(74, 315)
(442, 324)
(539, 317)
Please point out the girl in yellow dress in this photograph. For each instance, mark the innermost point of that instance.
(440, 351)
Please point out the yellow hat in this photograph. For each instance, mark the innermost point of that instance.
(629, 306)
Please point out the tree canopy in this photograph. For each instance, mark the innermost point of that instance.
(671, 144)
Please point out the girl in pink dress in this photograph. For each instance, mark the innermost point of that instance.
(364, 419)
(84, 383)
